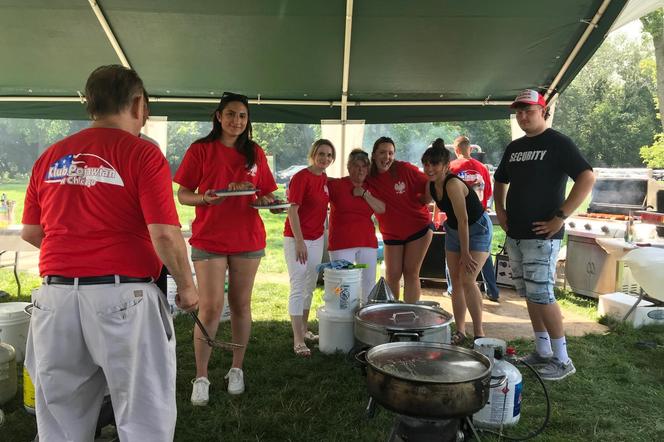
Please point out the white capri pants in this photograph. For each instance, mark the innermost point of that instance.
(302, 276)
(83, 338)
(360, 255)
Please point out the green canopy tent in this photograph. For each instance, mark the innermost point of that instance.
(300, 61)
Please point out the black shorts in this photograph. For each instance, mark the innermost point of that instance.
(411, 238)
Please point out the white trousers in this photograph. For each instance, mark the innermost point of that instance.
(302, 276)
(360, 255)
(83, 338)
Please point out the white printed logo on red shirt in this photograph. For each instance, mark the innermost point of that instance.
(253, 170)
(474, 180)
(83, 169)
(400, 187)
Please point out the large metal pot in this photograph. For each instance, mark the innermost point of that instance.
(381, 323)
(428, 380)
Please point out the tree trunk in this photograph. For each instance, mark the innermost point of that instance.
(659, 62)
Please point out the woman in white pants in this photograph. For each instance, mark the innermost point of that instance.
(303, 237)
(352, 233)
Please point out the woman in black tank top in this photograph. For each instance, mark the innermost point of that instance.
(468, 236)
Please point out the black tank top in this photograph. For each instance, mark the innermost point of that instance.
(473, 204)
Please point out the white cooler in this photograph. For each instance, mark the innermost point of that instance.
(616, 305)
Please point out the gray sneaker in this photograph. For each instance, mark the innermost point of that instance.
(556, 370)
(536, 360)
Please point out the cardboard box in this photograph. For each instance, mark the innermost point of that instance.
(616, 305)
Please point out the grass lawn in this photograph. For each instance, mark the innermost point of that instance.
(616, 395)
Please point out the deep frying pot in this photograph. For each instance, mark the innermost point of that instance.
(382, 323)
(428, 380)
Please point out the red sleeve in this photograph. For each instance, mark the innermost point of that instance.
(332, 184)
(418, 177)
(190, 172)
(31, 209)
(488, 191)
(266, 183)
(155, 191)
(296, 189)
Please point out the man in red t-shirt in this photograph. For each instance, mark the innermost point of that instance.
(477, 177)
(100, 208)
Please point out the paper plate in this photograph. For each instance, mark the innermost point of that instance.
(273, 206)
(226, 192)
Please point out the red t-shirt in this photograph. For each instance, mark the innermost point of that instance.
(350, 218)
(94, 193)
(310, 193)
(233, 226)
(475, 175)
(404, 214)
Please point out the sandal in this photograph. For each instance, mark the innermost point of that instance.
(458, 338)
(310, 336)
(302, 350)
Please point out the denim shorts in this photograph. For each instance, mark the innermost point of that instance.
(479, 236)
(533, 263)
(202, 255)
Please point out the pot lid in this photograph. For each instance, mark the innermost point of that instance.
(13, 310)
(429, 362)
(397, 316)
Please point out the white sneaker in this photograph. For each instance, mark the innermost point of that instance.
(200, 395)
(235, 381)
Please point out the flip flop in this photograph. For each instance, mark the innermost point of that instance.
(302, 350)
(310, 336)
(458, 338)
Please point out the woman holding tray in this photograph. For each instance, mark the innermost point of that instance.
(303, 237)
(227, 233)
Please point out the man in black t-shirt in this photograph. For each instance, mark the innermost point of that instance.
(536, 168)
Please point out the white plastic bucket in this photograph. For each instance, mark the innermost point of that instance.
(14, 324)
(171, 291)
(335, 332)
(342, 290)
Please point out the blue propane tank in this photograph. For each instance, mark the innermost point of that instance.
(504, 405)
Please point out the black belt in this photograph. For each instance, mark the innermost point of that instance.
(94, 280)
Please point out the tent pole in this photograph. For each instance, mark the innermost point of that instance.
(344, 81)
(153, 99)
(591, 27)
(109, 33)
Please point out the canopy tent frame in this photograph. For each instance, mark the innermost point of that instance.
(345, 102)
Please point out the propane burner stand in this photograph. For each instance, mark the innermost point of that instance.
(412, 429)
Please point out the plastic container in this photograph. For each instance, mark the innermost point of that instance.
(171, 291)
(504, 405)
(616, 305)
(8, 381)
(343, 290)
(14, 325)
(335, 331)
(28, 392)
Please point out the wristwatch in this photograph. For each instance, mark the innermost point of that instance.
(560, 214)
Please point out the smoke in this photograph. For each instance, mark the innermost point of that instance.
(632, 192)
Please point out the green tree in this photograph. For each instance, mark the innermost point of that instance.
(289, 143)
(180, 136)
(653, 155)
(609, 109)
(22, 141)
(653, 24)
